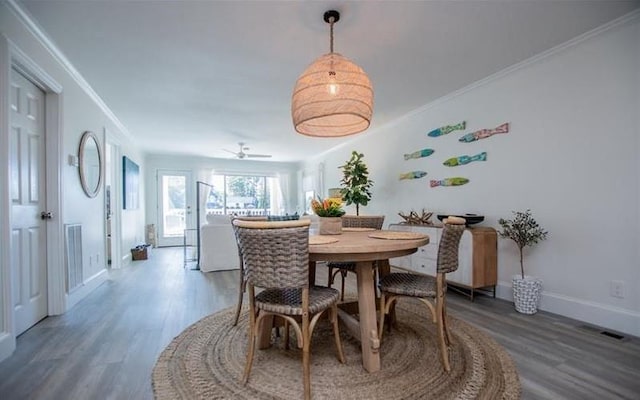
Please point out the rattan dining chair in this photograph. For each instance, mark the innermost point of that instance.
(276, 259)
(430, 290)
(242, 285)
(343, 268)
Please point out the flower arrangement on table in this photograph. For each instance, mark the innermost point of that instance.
(330, 207)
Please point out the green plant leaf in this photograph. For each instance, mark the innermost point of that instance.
(355, 181)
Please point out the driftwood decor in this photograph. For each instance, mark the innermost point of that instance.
(417, 219)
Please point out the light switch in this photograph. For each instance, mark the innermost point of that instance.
(73, 160)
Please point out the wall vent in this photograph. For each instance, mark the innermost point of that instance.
(73, 255)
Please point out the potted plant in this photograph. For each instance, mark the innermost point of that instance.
(524, 231)
(356, 185)
(329, 212)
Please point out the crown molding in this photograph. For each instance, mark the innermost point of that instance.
(627, 18)
(40, 35)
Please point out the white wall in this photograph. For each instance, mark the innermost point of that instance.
(155, 162)
(571, 157)
(79, 113)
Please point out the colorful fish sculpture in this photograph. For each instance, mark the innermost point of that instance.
(413, 175)
(462, 160)
(484, 133)
(457, 181)
(448, 129)
(419, 154)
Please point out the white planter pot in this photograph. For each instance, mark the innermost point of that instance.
(330, 225)
(526, 293)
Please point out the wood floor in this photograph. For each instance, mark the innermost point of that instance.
(106, 346)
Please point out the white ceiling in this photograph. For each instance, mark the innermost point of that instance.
(194, 77)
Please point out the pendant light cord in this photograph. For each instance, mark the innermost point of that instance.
(331, 22)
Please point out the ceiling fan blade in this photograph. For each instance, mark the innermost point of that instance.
(232, 152)
(259, 155)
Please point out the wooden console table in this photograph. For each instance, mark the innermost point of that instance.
(478, 258)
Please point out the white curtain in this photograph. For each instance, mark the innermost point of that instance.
(203, 175)
(280, 194)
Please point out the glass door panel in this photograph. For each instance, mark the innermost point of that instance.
(174, 207)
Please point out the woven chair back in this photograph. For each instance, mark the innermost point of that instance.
(244, 218)
(274, 254)
(448, 249)
(363, 221)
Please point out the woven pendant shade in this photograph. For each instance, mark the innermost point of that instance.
(333, 96)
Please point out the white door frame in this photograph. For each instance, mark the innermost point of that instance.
(189, 192)
(116, 197)
(12, 57)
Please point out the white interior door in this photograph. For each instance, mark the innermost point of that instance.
(27, 180)
(174, 207)
(113, 200)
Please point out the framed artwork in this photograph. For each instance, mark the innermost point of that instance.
(131, 183)
(335, 192)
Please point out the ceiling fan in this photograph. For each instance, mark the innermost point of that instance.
(242, 155)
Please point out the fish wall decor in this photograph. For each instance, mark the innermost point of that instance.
(484, 133)
(462, 160)
(443, 130)
(413, 175)
(457, 181)
(419, 154)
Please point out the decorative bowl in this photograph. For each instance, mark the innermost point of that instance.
(470, 218)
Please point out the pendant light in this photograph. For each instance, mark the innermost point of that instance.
(333, 96)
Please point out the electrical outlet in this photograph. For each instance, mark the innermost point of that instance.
(617, 289)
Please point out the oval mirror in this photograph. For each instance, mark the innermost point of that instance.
(90, 164)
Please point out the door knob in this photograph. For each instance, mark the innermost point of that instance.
(45, 215)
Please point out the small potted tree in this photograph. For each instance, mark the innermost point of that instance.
(356, 185)
(525, 232)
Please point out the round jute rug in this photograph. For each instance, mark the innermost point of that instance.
(206, 361)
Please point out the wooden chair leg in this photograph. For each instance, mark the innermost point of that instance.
(336, 332)
(253, 337)
(393, 321)
(444, 349)
(306, 335)
(343, 273)
(286, 334)
(382, 316)
(375, 282)
(241, 291)
(447, 334)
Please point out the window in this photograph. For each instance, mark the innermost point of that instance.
(241, 195)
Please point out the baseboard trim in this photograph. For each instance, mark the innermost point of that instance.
(87, 287)
(603, 315)
(7, 345)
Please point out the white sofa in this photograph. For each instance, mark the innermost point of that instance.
(218, 248)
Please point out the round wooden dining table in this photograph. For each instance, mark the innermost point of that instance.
(363, 249)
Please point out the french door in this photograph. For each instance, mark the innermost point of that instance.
(175, 197)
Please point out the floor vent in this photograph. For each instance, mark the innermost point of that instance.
(599, 331)
(73, 255)
(612, 335)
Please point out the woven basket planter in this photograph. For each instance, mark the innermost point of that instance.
(526, 294)
(330, 225)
